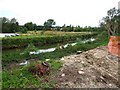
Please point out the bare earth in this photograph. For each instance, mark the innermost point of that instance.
(90, 69)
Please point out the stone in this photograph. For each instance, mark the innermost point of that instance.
(63, 75)
(62, 58)
(81, 69)
(78, 52)
(82, 62)
(80, 72)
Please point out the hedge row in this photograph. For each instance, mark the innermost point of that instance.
(10, 42)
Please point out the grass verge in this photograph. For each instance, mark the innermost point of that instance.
(22, 78)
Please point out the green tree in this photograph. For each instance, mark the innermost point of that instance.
(49, 23)
(112, 21)
(14, 25)
(30, 26)
(77, 29)
(13, 20)
(64, 28)
(23, 29)
(9, 26)
(5, 20)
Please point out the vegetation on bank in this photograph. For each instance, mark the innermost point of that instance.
(12, 26)
(38, 39)
(111, 22)
(18, 56)
(21, 78)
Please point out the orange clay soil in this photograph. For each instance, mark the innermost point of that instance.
(114, 45)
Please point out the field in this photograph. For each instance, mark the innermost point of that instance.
(16, 76)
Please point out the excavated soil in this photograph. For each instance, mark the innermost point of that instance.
(91, 69)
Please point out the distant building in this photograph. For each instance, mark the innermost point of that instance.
(119, 5)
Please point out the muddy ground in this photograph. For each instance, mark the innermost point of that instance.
(91, 69)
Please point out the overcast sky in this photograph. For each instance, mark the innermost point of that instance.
(74, 12)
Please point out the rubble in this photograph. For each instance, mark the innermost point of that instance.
(90, 69)
(63, 75)
(62, 58)
(79, 52)
(80, 72)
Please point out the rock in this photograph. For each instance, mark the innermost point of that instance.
(110, 84)
(78, 52)
(82, 62)
(80, 72)
(62, 58)
(102, 62)
(99, 54)
(81, 69)
(63, 75)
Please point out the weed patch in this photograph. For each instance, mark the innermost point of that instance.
(22, 78)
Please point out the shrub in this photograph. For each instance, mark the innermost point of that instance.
(21, 41)
(30, 48)
(39, 69)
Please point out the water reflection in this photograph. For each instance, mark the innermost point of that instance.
(88, 40)
(44, 51)
(61, 47)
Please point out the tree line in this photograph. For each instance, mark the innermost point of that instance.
(12, 26)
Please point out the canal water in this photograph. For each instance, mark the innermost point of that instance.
(50, 48)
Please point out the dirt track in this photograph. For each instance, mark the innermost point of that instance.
(90, 69)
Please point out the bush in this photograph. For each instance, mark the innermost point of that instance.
(23, 29)
(30, 48)
(21, 41)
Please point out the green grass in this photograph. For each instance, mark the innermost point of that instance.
(22, 78)
(101, 40)
(38, 39)
(55, 64)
